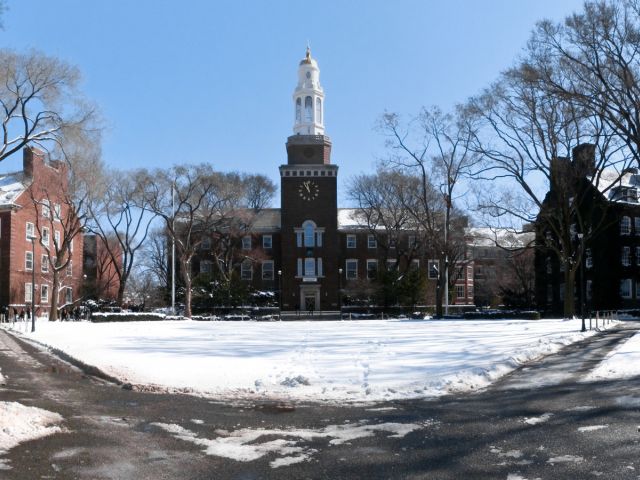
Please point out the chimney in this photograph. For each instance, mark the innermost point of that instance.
(584, 159)
(30, 155)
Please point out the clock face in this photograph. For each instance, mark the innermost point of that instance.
(308, 190)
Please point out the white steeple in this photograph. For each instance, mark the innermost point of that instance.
(308, 99)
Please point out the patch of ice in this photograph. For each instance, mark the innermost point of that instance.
(19, 423)
(566, 459)
(628, 401)
(536, 420)
(592, 428)
(516, 476)
(243, 445)
(581, 408)
(197, 421)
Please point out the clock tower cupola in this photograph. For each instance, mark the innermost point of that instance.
(308, 202)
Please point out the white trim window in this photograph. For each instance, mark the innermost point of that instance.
(267, 270)
(351, 269)
(625, 256)
(56, 239)
(267, 241)
(246, 270)
(44, 293)
(625, 226)
(372, 242)
(206, 266)
(28, 261)
(625, 288)
(70, 268)
(46, 210)
(246, 242)
(27, 293)
(588, 262)
(68, 295)
(309, 267)
(44, 263)
(30, 230)
(57, 212)
(415, 264)
(351, 241)
(46, 237)
(411, 242)
(460, 292)
(636, 225)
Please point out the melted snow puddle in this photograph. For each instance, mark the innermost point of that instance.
(536, 420)
(241, 445)
(19, 423)
(515, 476)
(565, 459)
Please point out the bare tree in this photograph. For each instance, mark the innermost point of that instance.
(526, 139)
(155, 257)
(436, 146)
(39, 102)
(121, 217)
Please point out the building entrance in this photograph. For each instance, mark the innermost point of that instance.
(310, 298)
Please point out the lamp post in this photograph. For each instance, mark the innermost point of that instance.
(582, 283)
(280, 294)
(33, 282)
(340, 292)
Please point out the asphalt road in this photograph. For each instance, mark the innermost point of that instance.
(540, 422)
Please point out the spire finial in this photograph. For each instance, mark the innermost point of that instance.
(308, 55)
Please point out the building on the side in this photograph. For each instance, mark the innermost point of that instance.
(609, 274)
(32, 212)
(315, 255)
(503, 266)
(101, 280)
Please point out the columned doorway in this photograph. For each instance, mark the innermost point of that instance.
(310, 298)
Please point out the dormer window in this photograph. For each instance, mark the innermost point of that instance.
(626, 194)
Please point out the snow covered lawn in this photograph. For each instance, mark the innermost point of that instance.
(321, 361)
(622, 362)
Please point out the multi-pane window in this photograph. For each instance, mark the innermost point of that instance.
(548, 266)
(309, 267)
(56, 239)
(246, 242)
(392, 264)
(625, 288)
(267, 241)
(205, 244)
(31, 231)
(412, 242)
(638, 256)
(246, 270)
(27, 292)
(460, 291)
(625, 256)
(372, 269)
(393, 241)
(433, 268)
(68, 295)
(28, 261)
(206, 266)
(415, 264)
(46, 211)
(57, 212)
(44, 293)
(70, 268)
(636, 224)
(44, 263)
(637, 290)
(625, 226)
(267, 270)
(460, 274)
(351, 241)
(351, 270)
(372, 242)
(45, 236)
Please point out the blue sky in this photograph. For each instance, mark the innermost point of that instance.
(211, 81)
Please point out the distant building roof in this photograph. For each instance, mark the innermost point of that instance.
(619, 187)
(11, 186)
(267, 219)
(499, 237)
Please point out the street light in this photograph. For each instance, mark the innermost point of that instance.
(340, 292)
(582, 282)
(33, 282)
(280, 294)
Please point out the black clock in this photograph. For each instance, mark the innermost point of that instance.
(308, 190)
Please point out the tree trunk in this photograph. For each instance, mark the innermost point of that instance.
(121, 286)
(53, 311)
(439, 297)
(186, 277)
(569, 287)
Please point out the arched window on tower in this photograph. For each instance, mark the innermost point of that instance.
(318, 110)
(298, 109)
(308, 110)
(309, 234)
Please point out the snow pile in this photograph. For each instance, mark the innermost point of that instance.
(370, 360)
(244, 445)
(19, 423)
(622, 362)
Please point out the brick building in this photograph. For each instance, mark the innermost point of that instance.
(101, 279)
(32, 210)
(309, 250)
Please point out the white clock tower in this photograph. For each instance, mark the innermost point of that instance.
(308, 98)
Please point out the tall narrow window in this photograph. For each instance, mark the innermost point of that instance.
(309, 267)
(318, 110)
(246, 270)
(319, 268)
(69, 295)
(298, 110)
(625, 226)
(626, 256)
(351, 269)
(309, 234)
(28, 261)
(308, 110)
(44, 293)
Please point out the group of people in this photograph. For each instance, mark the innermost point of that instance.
(12, 314)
